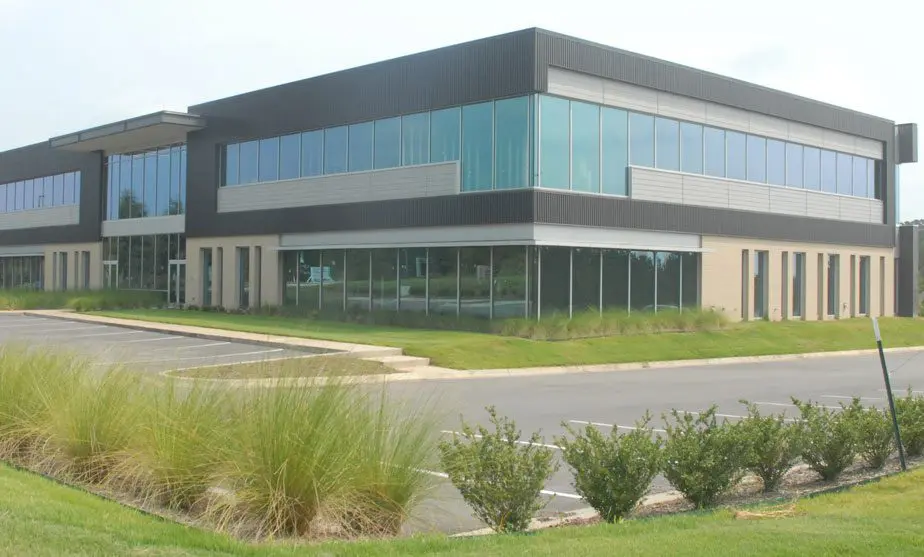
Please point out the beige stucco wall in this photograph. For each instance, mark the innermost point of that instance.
(264, 270)
(722, 279)
(75, 265)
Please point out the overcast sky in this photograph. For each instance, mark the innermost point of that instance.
(67, 65)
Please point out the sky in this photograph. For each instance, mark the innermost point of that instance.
(69, 65)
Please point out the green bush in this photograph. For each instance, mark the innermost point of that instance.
(910, 413)
(771, 445)
(612, 473)
(497, 475)
(80, 300)
(702, 457)
(874, 435)
(829, 438)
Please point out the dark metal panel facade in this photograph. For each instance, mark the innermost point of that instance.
(906, 280)
(41, 160)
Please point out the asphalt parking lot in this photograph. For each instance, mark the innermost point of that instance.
(141, 350)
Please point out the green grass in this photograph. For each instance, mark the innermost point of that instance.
(39, 517)
(464, 350)
(79, 300)
(315, 366)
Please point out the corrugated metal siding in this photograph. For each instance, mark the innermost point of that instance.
(39, 218)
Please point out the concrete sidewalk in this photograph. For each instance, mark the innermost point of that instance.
(414, 368)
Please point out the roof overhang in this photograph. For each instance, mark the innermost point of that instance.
(136, 134)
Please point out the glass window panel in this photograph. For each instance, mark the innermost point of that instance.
(412, 291)
(68, 190)
(811, 162)
(475, 280)
(182, 199)
(667, 138)
(112, 175)
(760, 284)
(615, 130)
(58, 199)
(555, 281)
(290, 278)
(163, 182)
(48, 187)
(177, 169)
(795, 166)
(585, 147)
(689, 280)
(871, 179)
(736, 155)
(585, 289)
(778, 169)
(2, 198)
(443, 265)
(641, 139)
(77, 188)
(509, 282)
(20, 190)
(445, 134)
(249, 161)
(715, 151)
(387, 143)
(757, 159)
(289, 154)
(38, 193)
(831, 287)
(798, 283)
(135, 262)
(511, 152)
(668, 269)
(357, 277)
(27, 193)
(642, 280)
(691, 148)
(415, 139)
(313, 153)
(269, 160)
(148, 263)
(150, 185)
(478, 147)
(361, 146)
(860, 187)
(828, 171)
(125, 195)
(331, 277)
(309, 279)
(844, 174)
(554, 137)
(335, 150)
(232, 160)
(384, 279)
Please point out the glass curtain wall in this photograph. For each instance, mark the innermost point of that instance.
(491, 282)
(27, 272)
(37, 193)
(142, 262)
(148, 184)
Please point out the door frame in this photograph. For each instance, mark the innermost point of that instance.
(173, 288)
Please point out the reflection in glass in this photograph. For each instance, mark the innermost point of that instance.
(777, 168)
(642, 280)
(828, 171)
(125, 195)
(290, 278)
(249, 161)
(585, 279)
(232, 161)
(715, 152)
(384, 279)
(736, 155)
(615, 131)
(798, 283)
(387, 143)
(844, 174)
(444, 291)
(511, 152)
(445, 134)
(331, 277)
(689, 280)
(554, 150)
(509, 282)
(478, 147)
(667, 138)
(555, 282)
(335, 150)
(358, 293)
(641, 140)
(312, 159)
(615, 280)
(163, 183)
(757, 158)
(150, 185)
(585, 147)
(269, 160)
(412, 293)
(289, 156)
(860, 187)
(691, 148)
(669, 272)
(415, 139)
(361, 146)
(475, 281)
(811, 166)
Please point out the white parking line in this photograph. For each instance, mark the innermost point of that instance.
(199, 358)
(790, 405)
(158, 339)
(30, 325)
(193, 346)
(845, 397)
(447, 432)
(107, 334)
(600, 424)
(68, 329)
(739, 417)
(902, 391)
(445, 476)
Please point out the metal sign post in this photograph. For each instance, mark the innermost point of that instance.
(888, 386)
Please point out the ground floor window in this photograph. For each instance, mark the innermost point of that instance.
(798, 284)
(490, 282)
(22, 272)
(864, 285)
(833, 277)
(153, 262)
(761, 262)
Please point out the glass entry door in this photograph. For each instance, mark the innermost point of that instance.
(176, 285)
(110, 274)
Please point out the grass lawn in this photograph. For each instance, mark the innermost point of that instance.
(464, 350)
(39, 517)
(315, 366)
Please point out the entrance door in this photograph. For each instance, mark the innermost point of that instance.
(110, 274)
(176, 286)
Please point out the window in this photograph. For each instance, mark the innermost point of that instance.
(335, 150)
(177, 180)
(691, 148)
(812, 168)
(478, 147)
(585, 147)
(249, 161)
(745, 283)
(844, 174)
(361, 146)
(150, 185)
(715, 152)
(860, 186)
(736, 149)
(668, 268)
(615, 280)
(181, 197)
(871, 181)
(475, 279)
(125, 185)
(757, 158)
(795, 170)
(232, 162)
(689, 280)
(20, 191)
(554, 151)
(555, 281)
(312, 159)
(269, 160)
(3, 198)
(511, 151)
(641, 140)
(243, 277)
(828, 171)
(445, 134)
(642, 281)
(585, 280)
(667, 138)
(163, 183)
(289, 156)
(58, 192)
(832, 285)
(27, 200)
(798, 284)
(387, 143)
(864, 284)
(761, 283)
(615, 128)
(415, 139)
(776, 162)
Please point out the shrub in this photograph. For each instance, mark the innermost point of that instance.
(612, 473)
(874, 436)
(771, 445)
(828, 437)
(910, 413)
(702, 458)
(79, 300)
(497, 475)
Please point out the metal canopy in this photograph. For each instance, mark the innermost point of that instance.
(136, 134)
